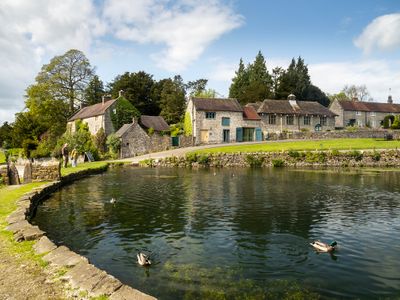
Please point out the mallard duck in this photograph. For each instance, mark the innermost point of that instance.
(113, 200)
(143, 259)
(322, 247)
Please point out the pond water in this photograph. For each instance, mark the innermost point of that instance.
(235, 233)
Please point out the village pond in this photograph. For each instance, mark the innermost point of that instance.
(235, 233)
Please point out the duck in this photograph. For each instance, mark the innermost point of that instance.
(143, 259)
(322, 247)
(113, 200)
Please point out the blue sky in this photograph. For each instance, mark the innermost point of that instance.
(343, 42)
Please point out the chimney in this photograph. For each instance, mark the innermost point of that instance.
(103, 99)
(390, 99)
(120, 93)
(354, 99)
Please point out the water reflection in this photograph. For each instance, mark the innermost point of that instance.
(255, 225)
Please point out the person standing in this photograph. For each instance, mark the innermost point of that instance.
(65, 153)
(74, 157)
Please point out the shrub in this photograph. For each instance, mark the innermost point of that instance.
(396, 123)
(191, 157)
(335, 152)
(203, 159)
(356, 155)
(29, 145)
(255, 160)
(99, 140)
(176, 129)
(148, 162)
(150, 131)
(315, 157)
(387, 121)
(278, 163)
(294, 154)
(114, 144)
(352, 128)
(376, 156)
(187, 124)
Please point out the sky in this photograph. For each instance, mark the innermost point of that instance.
(343, 42)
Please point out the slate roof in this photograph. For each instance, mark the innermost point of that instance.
(217, 104)
(369, 106)
(298, 108)
(92, 110)
(156, 122)
(249, 113)
(123, 129)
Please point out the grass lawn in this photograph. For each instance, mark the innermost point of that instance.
(84, 166)
(339, 144)
(2, 157)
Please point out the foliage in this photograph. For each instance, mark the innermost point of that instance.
(388, 121)
(99, 140)
(356, 92)
(396, 123)
(294, 154)
(123, 113)
(6, 135)
(28, 145)
(187, 124)
(150, 131)
(255, 160)
(113, 143)
(197, 88)
(356, 155)
(352, 128)
(150, 162)
(172, 101)
(278, 163)
(315, 157)
(209, 93)
(94, 91)
(2, 157)
(176, 129)
(335, 152)
(376, 156)
(14, 153)
(44, 148)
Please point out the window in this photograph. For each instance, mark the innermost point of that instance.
(307, 120)
(226, 121)
(289, 120)
(358, 113)
(271, 119)
(210, 115)
(322, 121)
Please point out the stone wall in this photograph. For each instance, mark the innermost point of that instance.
(81, 274)
(386, 158)
(4, 174)
(45, 171)
(186, 141)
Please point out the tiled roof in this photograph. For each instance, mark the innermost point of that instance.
(123, 129)
(296, 108)
(249, 113)
(370, 106)
(92, 111)
(156, 122)
(217, 104)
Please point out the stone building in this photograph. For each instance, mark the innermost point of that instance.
(143, 136)
(293, 115)
(96, 116)
(217, 120)
(362, 114)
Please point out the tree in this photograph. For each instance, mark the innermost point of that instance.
(209, 93)
(138, 89)
(276, 78)
(6, 135)
(356, 92)
(239, 82)
(94, 91)
(172, 101)
(339, 96)
(66, 77)
(314, 93)
(196, 87)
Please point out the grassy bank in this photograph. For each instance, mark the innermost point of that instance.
(84, 166)
(334, 144)
(2, 157)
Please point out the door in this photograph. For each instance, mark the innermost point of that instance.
(226, 134)
(239, 134)
(258, 134)
(248, 134)
(203, 136)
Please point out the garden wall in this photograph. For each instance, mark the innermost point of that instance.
(385, 158)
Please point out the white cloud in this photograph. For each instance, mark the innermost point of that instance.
(382, 34)
(377, 75)
(185, 27)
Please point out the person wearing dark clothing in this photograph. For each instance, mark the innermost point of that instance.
(65, 153)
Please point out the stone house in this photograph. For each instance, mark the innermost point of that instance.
(362, 114)
(293, 115)
(96, 116)
(217, 120)
(137, 137)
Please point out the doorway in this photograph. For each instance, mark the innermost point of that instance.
(226, 134)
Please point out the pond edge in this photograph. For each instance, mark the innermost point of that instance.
(80, 274)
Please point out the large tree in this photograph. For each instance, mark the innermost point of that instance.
(172, 101)
(94, 91)
(6, 135)
(356, 92)
(239, 82)
(66, 77)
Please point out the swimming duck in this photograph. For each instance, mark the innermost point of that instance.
(112, 201)
(322, 247)
(143, 259)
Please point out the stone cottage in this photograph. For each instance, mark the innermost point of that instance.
(363, 114)
(218, 120)
(143, 136)
(293, 115)
(96, 116)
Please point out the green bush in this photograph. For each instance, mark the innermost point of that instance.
(255, 160)
(294, 154)
(278, 163)
(29, 145)
(203, 159)
(315, 157)
(376, 156)
(147, 163)
(396, 123)
(191, 157)
(387, 121)
(99, 140)
(356, 155)
(176, 129)
(113, 143)
(335, 152)
(187, 124)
